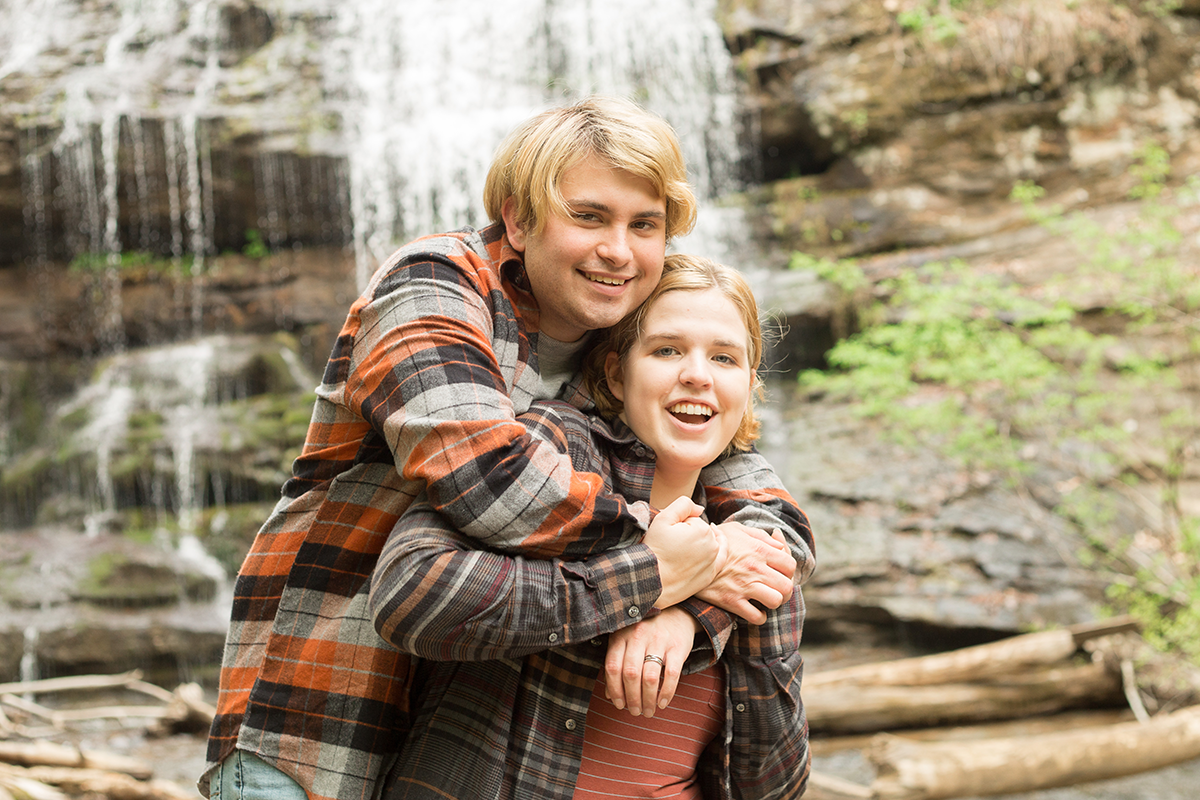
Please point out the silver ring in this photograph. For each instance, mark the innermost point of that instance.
(656, 659)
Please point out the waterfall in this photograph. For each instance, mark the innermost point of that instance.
(427, 101)
(407, 99)
(177, 131)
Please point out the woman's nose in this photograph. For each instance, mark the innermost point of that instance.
(694, 371)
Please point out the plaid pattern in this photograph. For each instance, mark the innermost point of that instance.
(513, 652)
(421, 393)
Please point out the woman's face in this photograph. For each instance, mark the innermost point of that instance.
(686, 382)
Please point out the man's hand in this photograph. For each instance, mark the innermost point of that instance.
(758, 568)
(690, 551)
(645, 686)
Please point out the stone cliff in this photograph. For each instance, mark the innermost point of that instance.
(888, 131)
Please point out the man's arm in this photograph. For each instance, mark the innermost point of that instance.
(428, 361)
(436, 594)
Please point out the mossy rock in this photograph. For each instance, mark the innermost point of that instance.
(119, 581)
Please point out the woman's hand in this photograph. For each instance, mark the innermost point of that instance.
(643, 685)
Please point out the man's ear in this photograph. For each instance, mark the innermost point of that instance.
(612, 372)
(516, 234)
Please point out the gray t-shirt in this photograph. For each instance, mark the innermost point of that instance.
(557, 363)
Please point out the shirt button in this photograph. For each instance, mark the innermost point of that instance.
(634, 611)
(570, 724)
(553, 638)
(741, 706)
(597, 642)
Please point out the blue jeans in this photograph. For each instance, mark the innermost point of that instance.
(244, 776)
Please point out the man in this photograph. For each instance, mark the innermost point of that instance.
(454, 336)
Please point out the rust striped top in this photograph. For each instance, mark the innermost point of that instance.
(638, 757)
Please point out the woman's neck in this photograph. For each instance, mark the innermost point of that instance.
(669, 487)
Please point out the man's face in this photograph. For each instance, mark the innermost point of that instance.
(591, 267)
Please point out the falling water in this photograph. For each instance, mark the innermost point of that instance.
(151, 139)
(428, 102)
(29, 665)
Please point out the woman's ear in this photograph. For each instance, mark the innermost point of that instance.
(516, 234)
(612, 372)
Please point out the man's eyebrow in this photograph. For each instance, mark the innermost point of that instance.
(596, 205)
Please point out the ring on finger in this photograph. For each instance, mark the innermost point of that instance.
(656, 659)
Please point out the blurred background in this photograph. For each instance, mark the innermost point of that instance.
(975, 222)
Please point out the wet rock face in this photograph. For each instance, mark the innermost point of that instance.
(869, 142)
(873, 136)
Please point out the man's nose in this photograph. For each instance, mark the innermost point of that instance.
(614, 246)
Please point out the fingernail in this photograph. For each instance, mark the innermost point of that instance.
(618, 704)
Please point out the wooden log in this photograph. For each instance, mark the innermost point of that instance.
(72, 683)
(914, 771)
(99, 783)
(43, 753)
(831, 787)
(844, 708)
(973, 663)
(1065, 721)
(18, 784)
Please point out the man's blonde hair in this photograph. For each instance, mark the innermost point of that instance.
(530, 162)
(682, 273)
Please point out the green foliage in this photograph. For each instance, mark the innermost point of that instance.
(255, 246)
(133, 261)
(1162, 8)
(843, 273)
(979, 365)
(935, 25)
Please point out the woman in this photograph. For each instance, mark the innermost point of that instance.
(674, 385)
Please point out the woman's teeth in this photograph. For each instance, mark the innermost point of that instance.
(691, 408)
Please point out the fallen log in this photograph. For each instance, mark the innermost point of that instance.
(72, 683)
(43, 753)
(1054, 723)
(917, 771)
(972, 663)
(831, 787)
(844, 708)
(15, 786)
(95, 782)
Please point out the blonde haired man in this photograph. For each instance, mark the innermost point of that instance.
(453, 337)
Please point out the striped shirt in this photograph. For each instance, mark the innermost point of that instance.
(651, 757)
(512, 649)
(420, 396)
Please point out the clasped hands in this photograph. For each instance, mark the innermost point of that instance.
(739, 569)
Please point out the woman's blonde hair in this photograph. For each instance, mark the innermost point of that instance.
(530, 162)
(682, 273)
